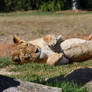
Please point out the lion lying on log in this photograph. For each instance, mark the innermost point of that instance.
(52, 50)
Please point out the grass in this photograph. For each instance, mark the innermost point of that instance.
(42, 73)
(5, 61)
(31, 25)
(68, 87)
(40, 13)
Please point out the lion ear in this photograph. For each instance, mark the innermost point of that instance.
(16, 39)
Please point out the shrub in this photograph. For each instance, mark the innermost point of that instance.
(14, 5)
(45, 5)
(52, 5)
(86, 4)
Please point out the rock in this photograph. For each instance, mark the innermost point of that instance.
(15, 85)
(89, 86)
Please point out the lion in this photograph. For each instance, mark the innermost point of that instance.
(23, 52)
(53, 50)
(39, 49)
(90, 37)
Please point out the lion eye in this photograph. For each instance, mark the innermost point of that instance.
(37, 50)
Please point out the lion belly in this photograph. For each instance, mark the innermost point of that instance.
(77, 49)
(45, 50)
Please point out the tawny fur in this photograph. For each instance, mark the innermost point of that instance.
(46, 54)
(55, 52)
(90, 37)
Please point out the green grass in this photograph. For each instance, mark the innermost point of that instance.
(40, 73)
(68, 87)
(5, 61)
(34, 13)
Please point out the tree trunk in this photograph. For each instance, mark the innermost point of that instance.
(75, 4)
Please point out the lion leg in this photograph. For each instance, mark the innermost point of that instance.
(90, 37)
(54, 58)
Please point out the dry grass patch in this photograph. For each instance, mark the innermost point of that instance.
(31, 26)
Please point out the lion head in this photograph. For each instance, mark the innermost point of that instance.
(24, 52)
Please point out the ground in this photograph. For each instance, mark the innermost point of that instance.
(32, 25)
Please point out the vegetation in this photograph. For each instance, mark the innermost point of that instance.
(68, 87)
(54, 5)
(13, 5)
(44, 5)
(41, 73)
(37, 24)
(86, 4)
(4, 61)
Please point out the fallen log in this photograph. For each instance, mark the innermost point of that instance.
(15, 85)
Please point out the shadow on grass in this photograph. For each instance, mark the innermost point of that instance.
(6, 82)
(79, 76)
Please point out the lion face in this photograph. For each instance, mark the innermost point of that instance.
(25, 53)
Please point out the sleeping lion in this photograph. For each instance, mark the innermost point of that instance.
(38, 50)
(52, 50)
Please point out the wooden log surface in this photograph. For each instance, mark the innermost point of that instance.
(15, 85)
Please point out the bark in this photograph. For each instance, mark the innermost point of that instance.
(15, 85)
(75, 4)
